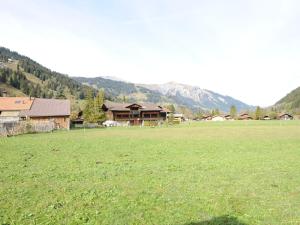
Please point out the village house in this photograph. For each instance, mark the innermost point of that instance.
(134, 113)
(245, 116)
(35, 110)
(266, 117)
(285, 116)
(228, 117)
(206, 117)
(178, 118)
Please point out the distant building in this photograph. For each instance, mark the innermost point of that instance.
(135, 113)
(245, 116)
(13, 109)
(228, 117)
(178, 117)
(285, 116)
(206, 117)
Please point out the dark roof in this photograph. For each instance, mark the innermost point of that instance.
(285, 114)
(48, 107)
(114, 106)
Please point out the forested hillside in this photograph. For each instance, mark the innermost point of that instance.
(291, 102)
(124, 91)
(20, 75)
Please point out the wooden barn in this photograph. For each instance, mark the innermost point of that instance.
(135, 113)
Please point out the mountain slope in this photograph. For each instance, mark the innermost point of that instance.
(291, 102)
(197, 97)
(20, 75)
(180, 94)
(119, 89)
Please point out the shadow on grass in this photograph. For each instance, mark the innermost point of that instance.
(222, 220)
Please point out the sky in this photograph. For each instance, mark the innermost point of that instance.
(248, 49)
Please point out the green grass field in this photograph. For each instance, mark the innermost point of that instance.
(237, 173)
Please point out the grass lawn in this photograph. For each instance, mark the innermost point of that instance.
(201, 173)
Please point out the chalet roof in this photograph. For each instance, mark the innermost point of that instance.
(48, 107)
(285, 114)
(114, 106)
(15, 103)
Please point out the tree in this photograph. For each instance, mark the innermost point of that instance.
(171, 107)
(233, 111)
(124, 99)
(99, 115)
(258, 113)
(89, 108)
(93, 112)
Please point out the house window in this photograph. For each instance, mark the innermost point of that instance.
(146, 115)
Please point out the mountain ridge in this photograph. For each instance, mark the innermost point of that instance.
(172, 92)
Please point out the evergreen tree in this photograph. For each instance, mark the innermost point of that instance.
(258, 113)
(233, 111)
(99, 115)
(88, 112)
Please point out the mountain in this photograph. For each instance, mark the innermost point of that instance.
(291, 102)
(192, 97)
(118, 90)
(21, 76)
(197, 97)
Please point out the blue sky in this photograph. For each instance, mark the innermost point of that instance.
(247, 49)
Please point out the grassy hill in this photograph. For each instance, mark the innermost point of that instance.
(291, 102)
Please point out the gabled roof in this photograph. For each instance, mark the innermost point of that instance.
(48, 107)
(15, 103)
(285, 114)
(134, 105)
(114, 106)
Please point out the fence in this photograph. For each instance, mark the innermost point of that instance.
(22, 127)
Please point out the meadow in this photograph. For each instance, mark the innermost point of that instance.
(202, 173)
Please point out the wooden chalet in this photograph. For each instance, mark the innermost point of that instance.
(245, 116)
(135, 113)
(285, 116)
(206, 117)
